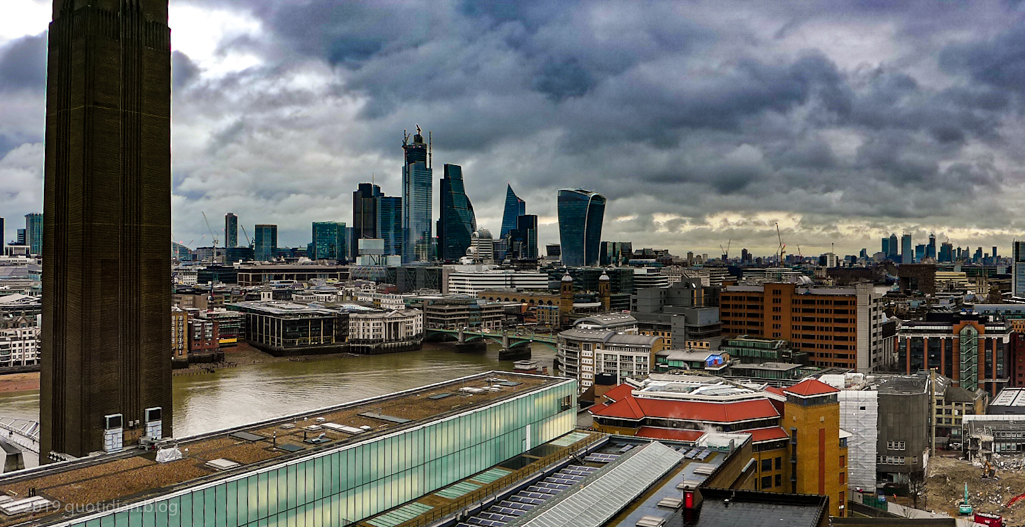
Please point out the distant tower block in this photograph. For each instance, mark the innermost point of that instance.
(106, 223)
(605, 291)
(566, 299)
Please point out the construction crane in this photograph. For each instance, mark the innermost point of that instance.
(726, 251)
(782, 246)
(212, 235)
(250, 242)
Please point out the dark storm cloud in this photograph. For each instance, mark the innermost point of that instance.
(183, 70)
(881, 113)
(23, 64)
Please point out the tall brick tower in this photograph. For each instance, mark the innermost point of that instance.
(106, 373)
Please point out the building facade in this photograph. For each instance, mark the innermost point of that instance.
(281, 328)
(456, 221)
(389, 224)
(836, 327)
(581, 213)
(386, 331)
(514, 208)
(106, 223)
(969, 349)
(364, 210)
(329, 241)
(417, 190)
(265, 243)
(230, 230)
(1018, 269)
(19, 342)
(472, 283)
(34, 232)
(584, 353)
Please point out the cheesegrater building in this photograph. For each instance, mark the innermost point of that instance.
(107, 223)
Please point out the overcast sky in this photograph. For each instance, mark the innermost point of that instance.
(700, 121)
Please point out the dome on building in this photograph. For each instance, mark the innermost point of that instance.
(567, 278)
(604, 277)
(482, 233)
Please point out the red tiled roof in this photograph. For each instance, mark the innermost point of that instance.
(619, 392)
(772, 433)
(669, 433)
(777, 391)
(631, 407)
(811, 387)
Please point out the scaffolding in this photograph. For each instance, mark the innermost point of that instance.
(859, 415)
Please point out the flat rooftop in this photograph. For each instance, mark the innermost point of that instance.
(133, 474)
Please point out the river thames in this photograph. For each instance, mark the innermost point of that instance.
(230, 397)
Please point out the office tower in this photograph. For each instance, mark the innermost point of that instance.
(34, 232)
(978, 256)
(20, 240)
(417, 185)
(389, 222)
(364, 211)
(230, 230)
(930, 250)
(946, 252)
(919, 252)
(351, 244)
(580, 221)
(514, 208)
(554, 252)
(886, 247)
(994, 253)
(907, 252)
(863, 254)
(523, 239)
(456, 222)
(106, 377)
(329, 241)
(265, 243)
(894, 253)
(745, 256)
(1018, 268)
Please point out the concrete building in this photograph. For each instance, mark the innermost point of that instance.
(1018, 269)
(985, 435)
(386, 331)
(1010, 401)
(685, 314)
(836, 327)
(362, 459)
(584, 353)
(179, 328)
(255, 274)
(285, 328)
(971, 350)
(752, 350)
(462, 312)
(19, 341)
(466, 281)
(649, 277)
(106, 226)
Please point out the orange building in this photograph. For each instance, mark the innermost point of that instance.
(836, 327)
(796, 439)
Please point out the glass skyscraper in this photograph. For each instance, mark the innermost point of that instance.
(580, 220)
(266, 243)
(34, 232)
(417, 187)
(456, 221)
(329, 241)
(230, 230)
(364, 211)
(523, 239)
(389, 224)
(907, 254)
(514, 208)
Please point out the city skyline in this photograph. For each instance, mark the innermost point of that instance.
(841, 124)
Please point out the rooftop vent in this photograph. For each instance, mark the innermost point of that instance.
(651, 521)
(221, 464)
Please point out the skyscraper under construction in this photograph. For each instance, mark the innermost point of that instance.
(106, 374)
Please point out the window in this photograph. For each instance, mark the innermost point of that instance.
(779, 480)
(766, 465)
(779, 464)
(843, 461)
(843, 478)
(767, 482)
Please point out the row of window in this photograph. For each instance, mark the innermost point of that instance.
(895, 445)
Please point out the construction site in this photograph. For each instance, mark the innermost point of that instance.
(1005, 480)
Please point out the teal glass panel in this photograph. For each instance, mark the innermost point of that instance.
(293, 490)
(282, 479)
(318, 478)
(149, 515)
(209, 507)
(231, 503)
(107, 521)
(311, 480)
(262, 496)
(272, 493)
(254, 499)
(174, 512)
(121, 519)
(186, 510)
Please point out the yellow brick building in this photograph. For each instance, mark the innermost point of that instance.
(818, 460)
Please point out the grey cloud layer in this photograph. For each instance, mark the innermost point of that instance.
(676, 111)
